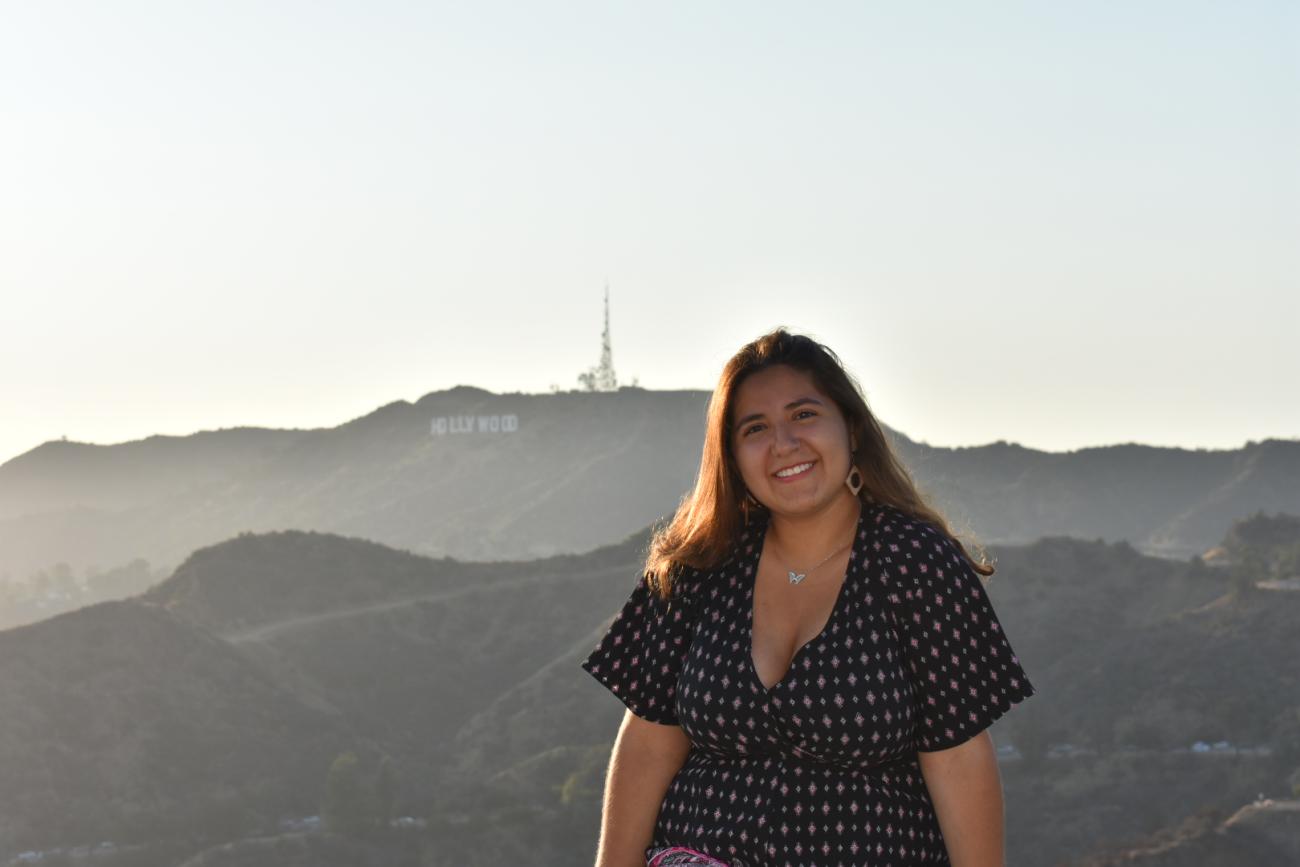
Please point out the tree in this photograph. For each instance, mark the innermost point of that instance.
(349, 803)
(1248, 566)
(1287, 561)
(385, 791)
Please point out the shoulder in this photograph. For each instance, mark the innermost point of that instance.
(695, 581)
(684, 586)
(915, 556)
(901, 532)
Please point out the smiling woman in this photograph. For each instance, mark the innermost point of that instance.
(810, 659)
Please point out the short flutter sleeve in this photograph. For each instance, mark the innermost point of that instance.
(640, 656)
(964, 672)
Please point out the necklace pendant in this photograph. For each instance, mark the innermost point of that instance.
(795, 577)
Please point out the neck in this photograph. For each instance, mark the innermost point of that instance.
(804, 539)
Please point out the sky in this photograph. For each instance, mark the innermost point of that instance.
(1062, 225)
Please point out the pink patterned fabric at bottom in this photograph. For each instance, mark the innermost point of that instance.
(662, 857)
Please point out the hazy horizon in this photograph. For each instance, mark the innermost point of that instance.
(1057, 226)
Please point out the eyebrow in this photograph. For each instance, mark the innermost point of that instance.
(789, 406)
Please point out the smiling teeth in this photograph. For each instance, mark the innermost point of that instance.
(793, 470)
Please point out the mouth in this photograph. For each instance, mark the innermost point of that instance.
(794, 471)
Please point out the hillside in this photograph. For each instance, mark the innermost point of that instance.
(209, 709)
(1264, 833)
(239, 679)
(122, 723)
(480, 476)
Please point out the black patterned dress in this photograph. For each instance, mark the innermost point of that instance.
(821, 769)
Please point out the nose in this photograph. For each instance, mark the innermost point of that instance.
(786, 439)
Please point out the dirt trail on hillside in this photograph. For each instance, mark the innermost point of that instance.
(267, 631)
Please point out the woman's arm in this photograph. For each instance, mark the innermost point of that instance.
(966, 789)
(645, 759)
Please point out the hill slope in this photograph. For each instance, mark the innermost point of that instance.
(215, 703)
(521, 476)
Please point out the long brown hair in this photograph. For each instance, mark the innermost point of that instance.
(708, 519)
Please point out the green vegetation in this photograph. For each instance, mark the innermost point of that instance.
(358, 803)
(138, 722)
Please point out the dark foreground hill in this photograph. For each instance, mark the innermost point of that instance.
(211, 709)
(1263, 832)
(121, 722)
(480, 476)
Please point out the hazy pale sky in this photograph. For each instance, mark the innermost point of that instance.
(1058, 224)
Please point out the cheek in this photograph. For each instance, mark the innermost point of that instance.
(750, 461)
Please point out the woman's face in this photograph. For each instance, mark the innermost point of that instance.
(783, 421)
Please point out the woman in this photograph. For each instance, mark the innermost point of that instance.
(810, 660)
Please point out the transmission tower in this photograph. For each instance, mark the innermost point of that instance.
(601, 377)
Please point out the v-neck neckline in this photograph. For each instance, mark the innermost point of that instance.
(856, 553)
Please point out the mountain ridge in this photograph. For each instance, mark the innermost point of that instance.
(480, 476)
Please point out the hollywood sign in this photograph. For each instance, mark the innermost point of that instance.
(468, 424)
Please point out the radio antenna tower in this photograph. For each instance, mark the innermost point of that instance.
(601, 377)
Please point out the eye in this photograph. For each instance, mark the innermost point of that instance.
(746, 431)
(802, 411)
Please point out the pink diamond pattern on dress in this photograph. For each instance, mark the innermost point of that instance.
(822, 768)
